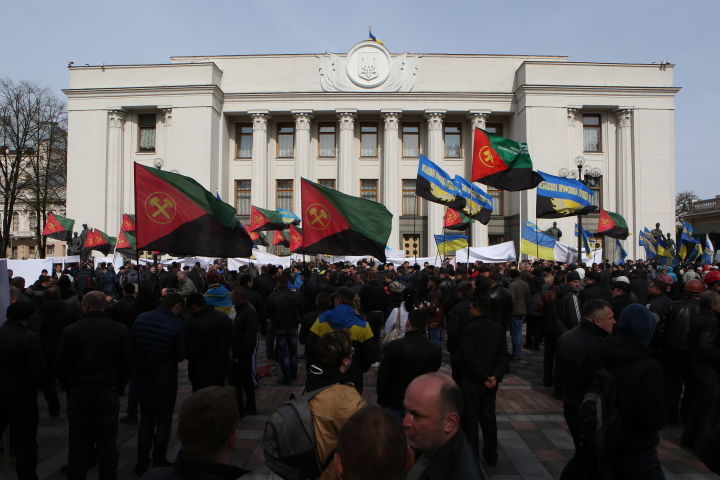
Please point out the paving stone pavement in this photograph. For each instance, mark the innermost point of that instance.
(534, 442)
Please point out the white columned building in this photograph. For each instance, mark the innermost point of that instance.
(251, 126)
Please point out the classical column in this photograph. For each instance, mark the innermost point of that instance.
(115, 179)
(346, 173)
(479, 232)
(391, 182)
(259, 182)
(303, 168)
(436, 154)
(165, 125)
(624, 173)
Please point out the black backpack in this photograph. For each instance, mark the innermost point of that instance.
(599, 422)
(289, 440)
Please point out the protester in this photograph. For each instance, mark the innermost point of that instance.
(207, 334)
(283, 309)
(244, 343)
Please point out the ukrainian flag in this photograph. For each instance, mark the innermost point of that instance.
(450, 243)
(536, 243)
(645, 239)
(620, 253)
(373, 38)
(664, 253)
(585, 238)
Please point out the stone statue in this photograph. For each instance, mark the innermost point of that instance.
(74, 245)
(84, 252)
(670, 243)
(656, 232)
(554, 231)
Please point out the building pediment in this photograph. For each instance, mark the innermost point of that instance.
(368, 66)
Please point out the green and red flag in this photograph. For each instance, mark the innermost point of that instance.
(98, 240)
(128, 223)
(454, 220)
(613, 225)
(281, 237)
(296, 239)
(258, 238)
(58, 227)
(126, 244)
(502, 163)
(338, 224)
(262, 219)
(175, 214)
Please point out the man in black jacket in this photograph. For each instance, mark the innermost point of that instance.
(403, 360)
(621, 298)
(243, 343)
(501, 303)
(594, 289)
(482, 361)
(567, 304)
(283, 309)
(207, 334)
(374, 303)
(93, 364)
(22, 373)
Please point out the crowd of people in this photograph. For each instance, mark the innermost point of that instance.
(647, 332)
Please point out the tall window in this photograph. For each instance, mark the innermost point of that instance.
(410, 201)
(242, 197)
(326, 140)
(497, 200)
(285, 140)
(327, 182)
(368, 140)
(15, 224)
(598, 189)
(284, 194)
(453, 140)
(369, 190)
(495, 128)
(244, 140)
(146, 132)
(591, 133)
(32, 220)
(410, 140)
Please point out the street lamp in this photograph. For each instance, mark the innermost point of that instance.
(158, 163)
(591, 179)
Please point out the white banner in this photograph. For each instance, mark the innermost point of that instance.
(502, 252)
(261, 258)
(30, 269)
(204, 261)
(567, 254)
(436, 261)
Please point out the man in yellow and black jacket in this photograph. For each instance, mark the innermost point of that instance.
(345, 317)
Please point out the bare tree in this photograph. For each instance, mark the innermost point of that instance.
(683, 203)
(29, 116)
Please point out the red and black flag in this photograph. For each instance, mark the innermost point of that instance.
(128, 223)
(613, 225)
(262, 219)
(455, 220)
(175, 214)
(258, 238)
(296, 239)
(338, 224)
(59, 228)
(126, 244)
(98, 240)
(502, 163)
(281, 237)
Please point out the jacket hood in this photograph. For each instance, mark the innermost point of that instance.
(342, 317)
(638, 323)
(321, 377)
(218, 296)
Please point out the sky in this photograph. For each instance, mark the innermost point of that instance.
(40, 37)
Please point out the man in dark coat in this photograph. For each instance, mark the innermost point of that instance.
(567, 304)
(403, 360)
(482, 362)
(158, 340)
(207, 333)
(433, 405)
(374, 303)
(283, 309)
(93, 364)
(457, 318)
(621, 298)
(22, 373)
(501, 303)
(244, 343)
(594, 289)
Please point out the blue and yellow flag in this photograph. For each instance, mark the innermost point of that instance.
(450, 243)
(620, 253)
(478, 204)
(664, 253)
(435, 185)
(645, 239)
(563, 197)
(289, 217)
(708, 253)
(536, 243)
(585, 238)
(695, 251)
(373, 37)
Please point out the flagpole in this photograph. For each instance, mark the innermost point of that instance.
(467, 260)
(417, 207)
(520, 226)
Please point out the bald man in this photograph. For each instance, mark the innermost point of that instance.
(433, 403)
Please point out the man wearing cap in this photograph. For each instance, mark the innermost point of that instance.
(712, 280)
(22, 373)
(620, 290)
(594, 289)
(675, 351)
(567, 304)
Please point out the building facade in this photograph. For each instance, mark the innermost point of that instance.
(250, 127)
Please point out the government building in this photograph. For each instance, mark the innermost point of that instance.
(249, 127)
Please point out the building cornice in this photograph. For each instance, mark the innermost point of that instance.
(589, 89)
(143, 91)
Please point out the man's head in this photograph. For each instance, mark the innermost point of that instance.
(479, 306)
(20, 312)
(694, 288)
(710, 300)
(465, 289)
(712, 280)
(372, 446)
(657, 225)
(600, 313)
(239, 295)
(195, 302)
(208, 424)
(417, 320)
(657, 287)
(173, 302)
(573, 279)
(334, 350)
(433, 403)
(621, 286)
(638, 322)
(94, 302)
(345, 296)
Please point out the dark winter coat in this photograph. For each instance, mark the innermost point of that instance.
(158, 339)
(208, 333)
